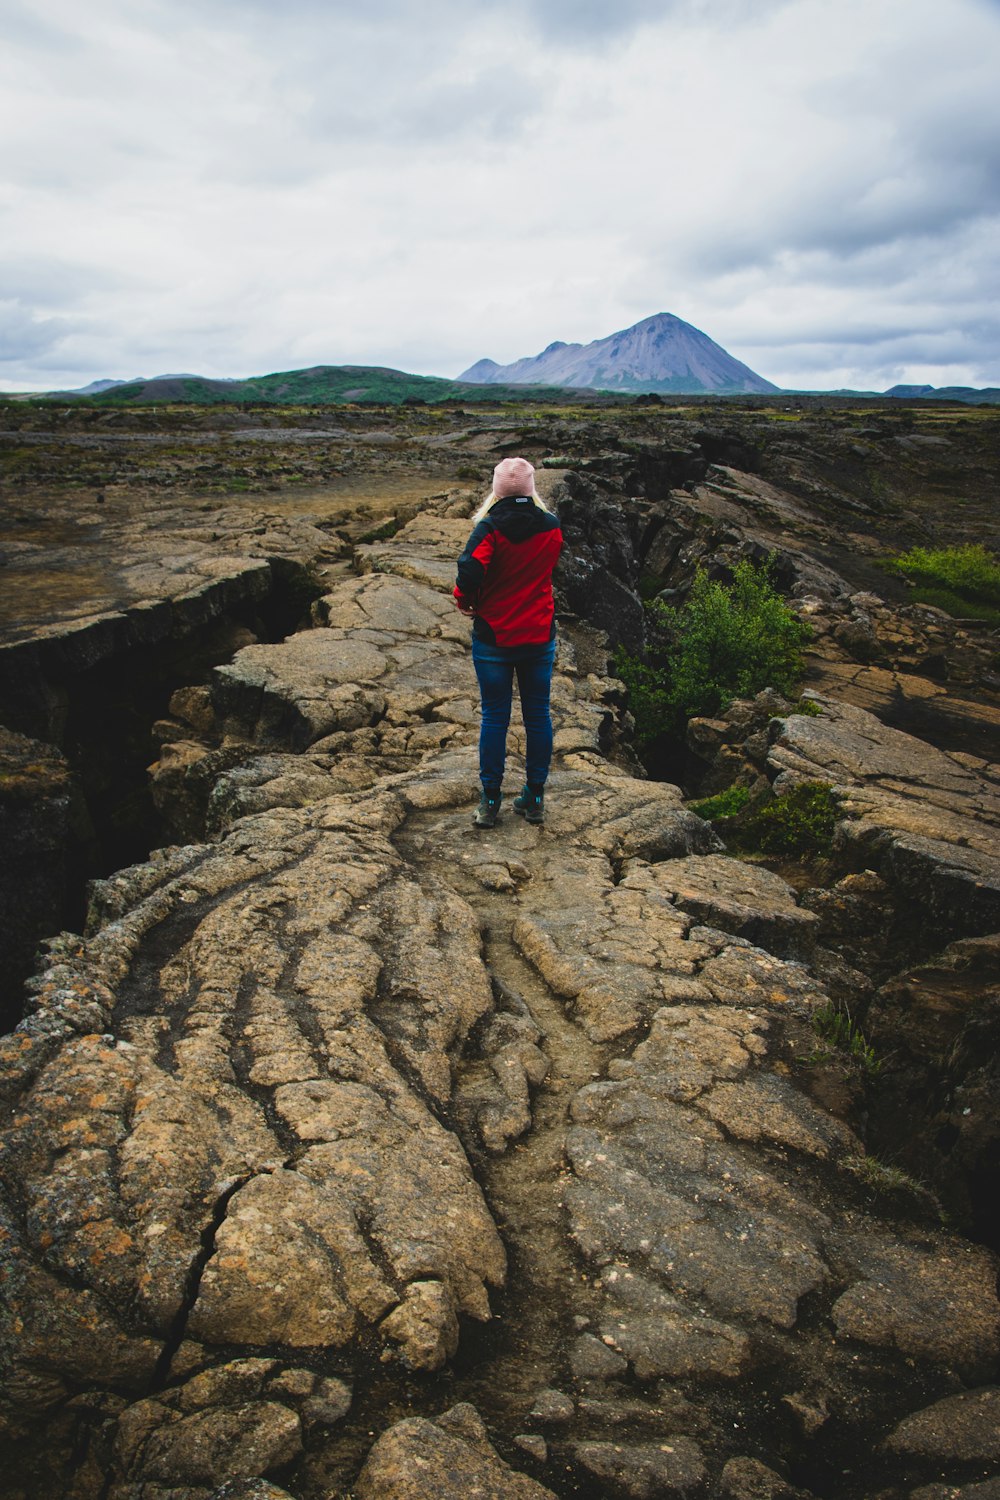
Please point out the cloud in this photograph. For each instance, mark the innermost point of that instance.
(229, 186)
(23, 335)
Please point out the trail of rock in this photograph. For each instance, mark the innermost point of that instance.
(312, 1100)
(523, 1174)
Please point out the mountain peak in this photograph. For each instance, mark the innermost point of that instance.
(661, 353)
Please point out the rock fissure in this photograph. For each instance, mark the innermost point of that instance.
(192, 1286)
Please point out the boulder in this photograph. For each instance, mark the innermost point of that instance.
(450, 1458)
(925, 820)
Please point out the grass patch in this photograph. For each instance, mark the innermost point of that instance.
(887, 1181)
(963, 581)
(953, 604)
(839, 1033)
(724, 805)
(726, 641)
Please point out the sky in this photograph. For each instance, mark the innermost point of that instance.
(233, 187)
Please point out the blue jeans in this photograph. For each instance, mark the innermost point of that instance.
(496, 668)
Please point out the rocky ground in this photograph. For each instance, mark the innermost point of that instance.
(351, 1151)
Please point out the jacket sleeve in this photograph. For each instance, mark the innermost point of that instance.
(474, 561)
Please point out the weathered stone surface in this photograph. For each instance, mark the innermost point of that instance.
(425, 1324)
(925, 820)
(643, 1471)
(229, 1425)
(989, 1489)
(928, 1299)
(959, 1429)
(749, 1479)
(423, 551)
(280, 1100)
(209, 1446)
(451, 1458)
(747, 900)
(614, 951)
(552, 1407)
(358, 1159)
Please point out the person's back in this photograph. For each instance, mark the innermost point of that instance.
(505, 584)
(515, 546)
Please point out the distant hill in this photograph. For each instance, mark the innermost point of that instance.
(987, 396)
(662, 354)
(321, 385)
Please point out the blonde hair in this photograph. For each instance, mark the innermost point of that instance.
(492, 499)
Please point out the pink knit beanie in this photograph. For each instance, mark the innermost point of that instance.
(513, 476)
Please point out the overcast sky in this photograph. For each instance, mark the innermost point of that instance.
(238, 186)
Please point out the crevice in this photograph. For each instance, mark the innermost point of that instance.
(96, 697)
(365, 1221)
(192, 1286)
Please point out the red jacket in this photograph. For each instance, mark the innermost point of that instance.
(505, 573)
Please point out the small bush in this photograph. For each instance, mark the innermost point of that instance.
(725, 642)
(801, 822)
(724, 805)
(961, 580)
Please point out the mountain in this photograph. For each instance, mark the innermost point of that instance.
(95, 388)
(662, 353)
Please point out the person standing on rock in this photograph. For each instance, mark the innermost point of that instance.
(505, 585)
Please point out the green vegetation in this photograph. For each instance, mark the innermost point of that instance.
(799, 823)
(723, 805)
(324, 385)
(836, 1029)
(963, 581)
(726, 641)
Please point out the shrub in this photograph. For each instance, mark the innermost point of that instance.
(648, 695)
(726, 641)
(961, 580)
(801, 822)
(723, 805)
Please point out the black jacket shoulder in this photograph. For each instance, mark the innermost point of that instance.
(519, 518)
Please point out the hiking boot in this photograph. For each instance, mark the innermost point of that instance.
(530, 804)
(488, 811)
